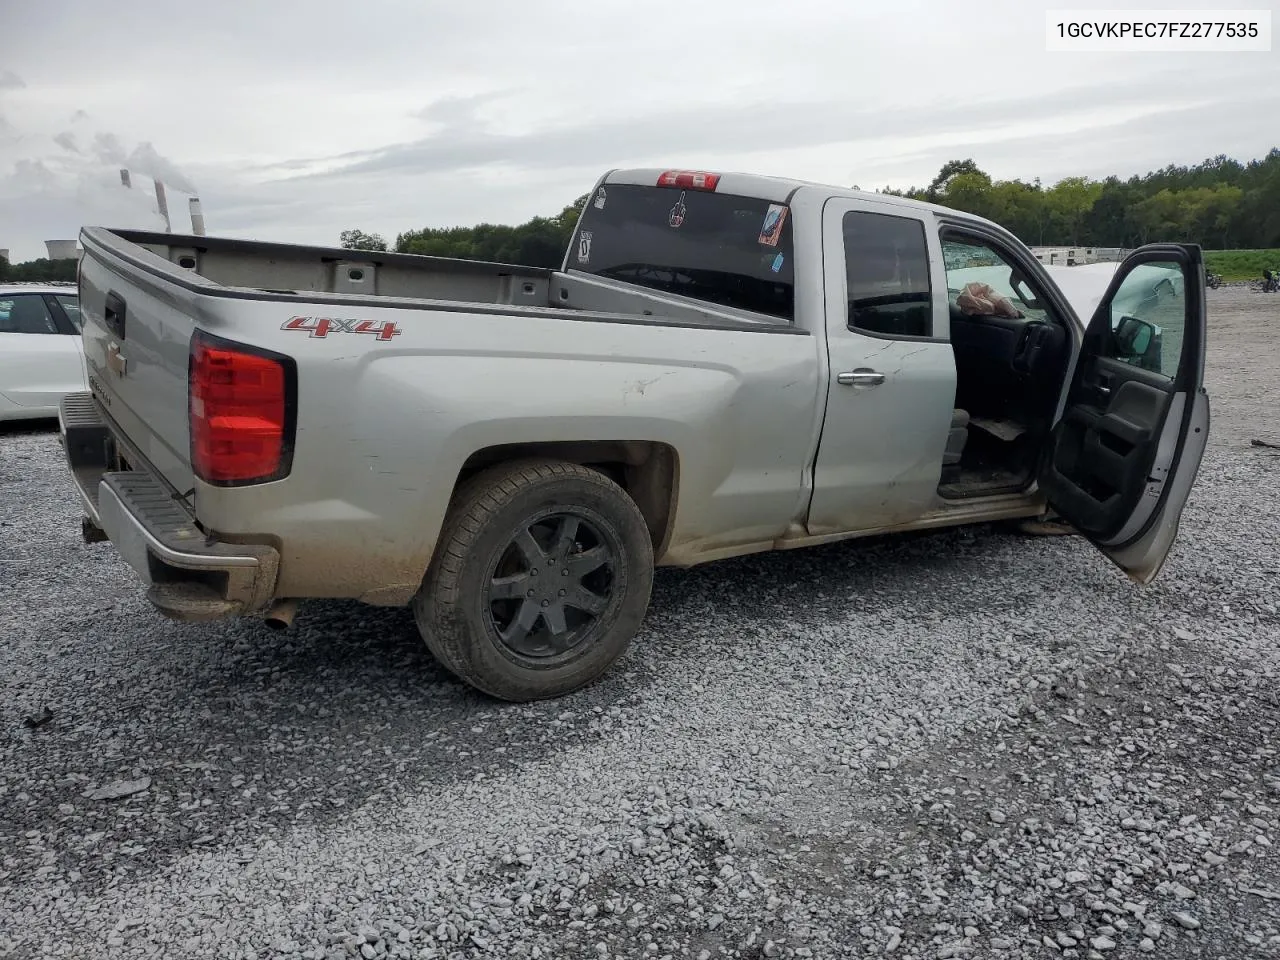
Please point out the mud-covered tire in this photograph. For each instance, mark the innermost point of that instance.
(498, 519)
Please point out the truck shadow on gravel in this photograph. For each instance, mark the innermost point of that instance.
(244, 731)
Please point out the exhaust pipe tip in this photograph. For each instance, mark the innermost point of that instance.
(279, 615)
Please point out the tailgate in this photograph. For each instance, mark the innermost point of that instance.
(137, 329)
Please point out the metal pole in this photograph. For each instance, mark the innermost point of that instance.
(197, 216)
(164, 206)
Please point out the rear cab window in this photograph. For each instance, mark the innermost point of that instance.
(722, 249)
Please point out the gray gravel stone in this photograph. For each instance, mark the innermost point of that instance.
(118, 789)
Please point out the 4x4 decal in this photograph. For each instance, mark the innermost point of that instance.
(321, 327)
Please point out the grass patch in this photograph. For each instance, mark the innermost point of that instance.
(1241, 264)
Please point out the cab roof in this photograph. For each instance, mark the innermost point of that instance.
(780, 189)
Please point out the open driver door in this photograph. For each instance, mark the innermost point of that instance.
(1124, 455)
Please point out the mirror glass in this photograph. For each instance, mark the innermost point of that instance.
(1134, 336)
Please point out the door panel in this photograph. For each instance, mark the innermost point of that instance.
(1124, 455)
(892, 374)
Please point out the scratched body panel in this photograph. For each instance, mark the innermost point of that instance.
(395, 427)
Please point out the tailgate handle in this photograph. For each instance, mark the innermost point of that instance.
(113, 314)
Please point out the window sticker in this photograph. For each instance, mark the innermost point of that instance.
(677, 213)
(584, 247)
(777, 263)
(601, 197)
(771, 229)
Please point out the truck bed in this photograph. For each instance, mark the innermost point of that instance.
(280, 267)
(259, 270)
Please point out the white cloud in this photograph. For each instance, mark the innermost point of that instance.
(300, 118)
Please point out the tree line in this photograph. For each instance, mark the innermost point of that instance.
(1221, 203)
(540, 242)
(37, 271)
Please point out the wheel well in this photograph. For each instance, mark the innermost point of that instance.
(646, 470)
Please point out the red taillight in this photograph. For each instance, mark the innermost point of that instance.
(241, 410)
(689, 180)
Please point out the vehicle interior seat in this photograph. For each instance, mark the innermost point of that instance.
(1007, 369)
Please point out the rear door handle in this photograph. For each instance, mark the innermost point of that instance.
(860, 378)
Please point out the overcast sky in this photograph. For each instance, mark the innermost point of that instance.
(295, 120)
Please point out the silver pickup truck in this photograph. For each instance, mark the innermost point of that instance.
(724, 364)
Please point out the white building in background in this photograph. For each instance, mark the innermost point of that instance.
(1074, 256)
(62, 249)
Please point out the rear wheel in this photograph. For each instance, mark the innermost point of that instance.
(541, 577)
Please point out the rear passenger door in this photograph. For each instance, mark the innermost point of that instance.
(1126, 452)
(892, 381)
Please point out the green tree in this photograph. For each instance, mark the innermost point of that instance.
(969, 191)
(1069, 202)
(1160, 215)
(359, 240)
(1110, 221)
(950, 169)
(539, 242)
(1019, 207)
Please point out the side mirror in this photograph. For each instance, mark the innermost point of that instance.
(1133, 337)
(1137, 341)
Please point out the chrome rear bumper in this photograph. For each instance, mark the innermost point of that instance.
(189, 575)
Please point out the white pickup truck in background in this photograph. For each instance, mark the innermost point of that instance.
(725, 364)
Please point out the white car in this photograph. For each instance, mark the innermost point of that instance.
(41, 356)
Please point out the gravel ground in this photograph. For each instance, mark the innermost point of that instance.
(968, 744)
